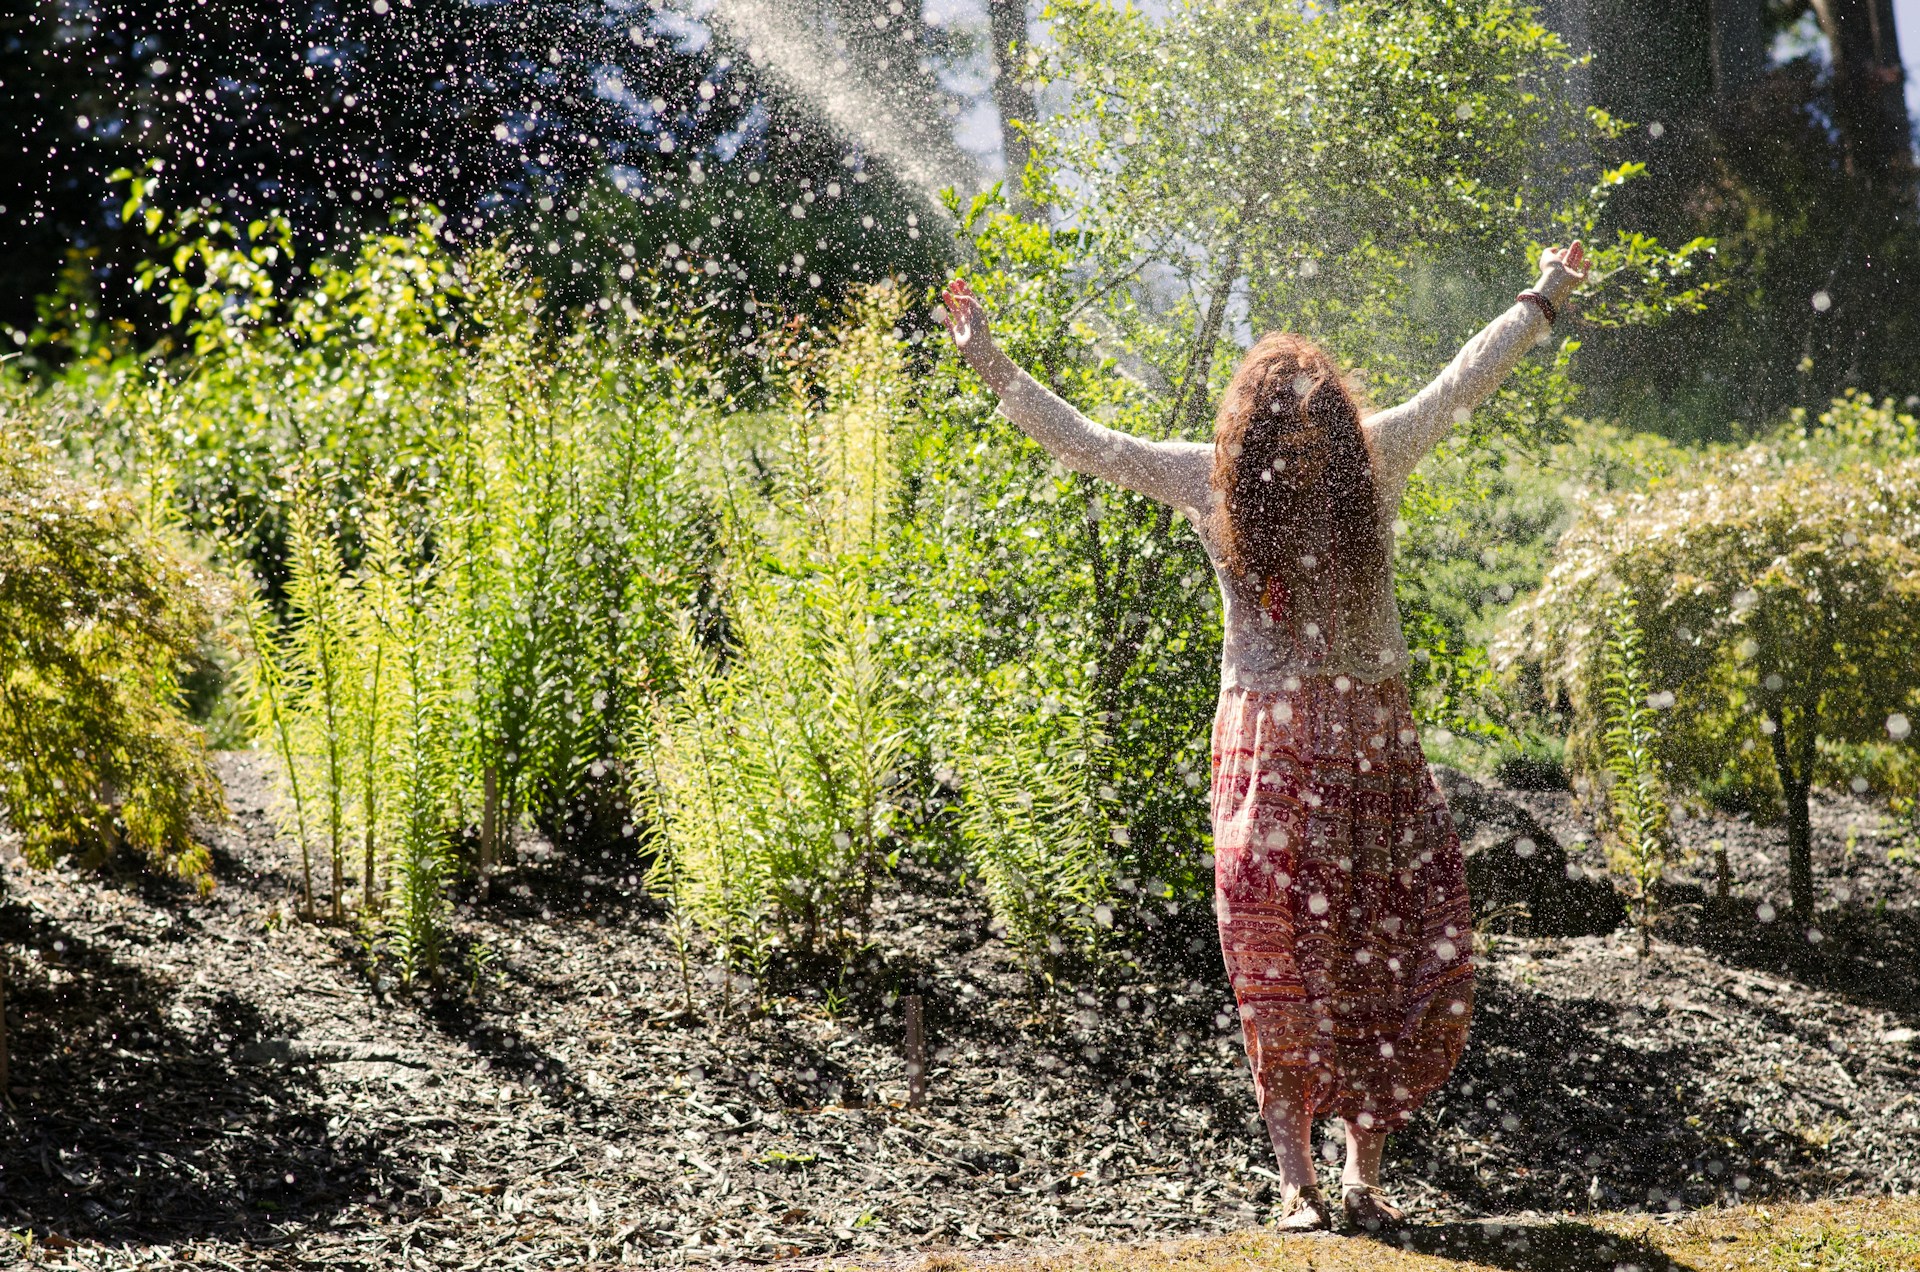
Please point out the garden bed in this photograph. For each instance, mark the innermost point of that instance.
(213, 1075)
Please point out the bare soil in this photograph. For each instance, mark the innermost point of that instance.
(211, 1078)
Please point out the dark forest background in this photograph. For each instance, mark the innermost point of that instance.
(1778, 127)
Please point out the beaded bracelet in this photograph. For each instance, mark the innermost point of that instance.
(1546, 306)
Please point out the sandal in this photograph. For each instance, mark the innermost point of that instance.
(1304, 1210)
(1366, 1206)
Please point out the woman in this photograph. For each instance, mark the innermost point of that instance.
(1338, 878)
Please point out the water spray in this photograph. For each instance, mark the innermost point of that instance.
(808, 63)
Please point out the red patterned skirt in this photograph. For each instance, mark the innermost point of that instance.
(1342, 896)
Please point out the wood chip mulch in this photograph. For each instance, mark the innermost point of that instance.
(211, 1081)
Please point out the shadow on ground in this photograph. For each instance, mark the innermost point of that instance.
(1857, 952)
(1551, 1109)
(130, 1123)
(1534, 1247)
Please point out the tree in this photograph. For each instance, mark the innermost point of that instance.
(497, 115)
(1368, 174)
(1779, 600)
(1800, 170)
(1012, 95)
(1869, 87)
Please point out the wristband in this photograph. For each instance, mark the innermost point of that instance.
(1546, 306)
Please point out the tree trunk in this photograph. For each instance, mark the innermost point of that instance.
(1739, 47)
(1869, 87)
(1800, 853)
(1794, 787)
(1012, 98)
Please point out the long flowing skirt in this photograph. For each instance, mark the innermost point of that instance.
(1342, 896)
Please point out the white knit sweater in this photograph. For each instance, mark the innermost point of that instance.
(1259, 653)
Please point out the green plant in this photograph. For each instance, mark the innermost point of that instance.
(410, 765)
(318, 676)
(709, 856)
(1035, 828)
(767, 773)
(1779, 601)
(265, 689)
(99, 610)
(1629, 738)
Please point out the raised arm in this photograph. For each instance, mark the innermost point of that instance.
(1174, 473)
(1401, 436)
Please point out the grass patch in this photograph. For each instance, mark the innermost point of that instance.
(1875, 1235)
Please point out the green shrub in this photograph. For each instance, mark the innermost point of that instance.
(1035, 828)
(100, 613)
(1780, 606)
(768, 774)
(467, 534)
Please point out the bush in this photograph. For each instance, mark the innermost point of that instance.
(767, 775)
(476, 570)
(1780, 604)
(100, 614)
(1036, 828)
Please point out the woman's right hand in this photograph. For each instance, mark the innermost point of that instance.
(966, 320)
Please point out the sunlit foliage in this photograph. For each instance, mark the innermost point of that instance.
(767, 777)
(470, 534)
(1780, 605)
(1037, 824)
(1636, 798)
(100, 613)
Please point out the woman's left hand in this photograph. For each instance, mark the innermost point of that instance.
(1562, 270)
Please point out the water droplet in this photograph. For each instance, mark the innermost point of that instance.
(1822, 301)
(1317, 903)
(1898, 726)
(1765, 912)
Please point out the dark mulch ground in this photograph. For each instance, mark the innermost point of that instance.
(210, 1076)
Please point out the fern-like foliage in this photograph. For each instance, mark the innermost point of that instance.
(1035, 829)
(1629, 738)
(766, 774)
(701, 796)
(410, 800)
(321, 680)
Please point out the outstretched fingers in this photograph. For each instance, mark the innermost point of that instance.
(1572, 259)
(963, 311)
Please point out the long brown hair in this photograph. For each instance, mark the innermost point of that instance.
(1293, 472)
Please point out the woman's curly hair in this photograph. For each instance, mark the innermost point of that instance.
(1293, 472)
